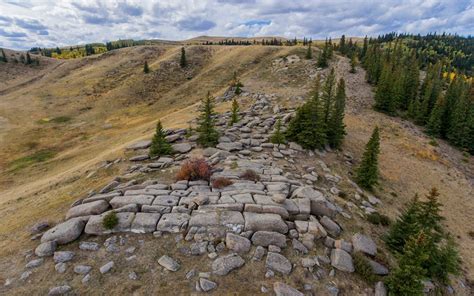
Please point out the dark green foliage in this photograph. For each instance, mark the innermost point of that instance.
(353, 64)
(325, 55)
(384, 96)
(208, 135)
(182, 61)
(309, 52)
(378, 219)
(335, 125)
(367, 173)
(3, 57)
(159, 145)
(29, 61)
(363, 268)
(278, 137)
(423, 219)
(238, 90)
(327, 97)
(234, 117)
(110, 220)
(146, 69)
(308, 128)
(406, 279)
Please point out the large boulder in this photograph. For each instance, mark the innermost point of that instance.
(225, 264)
(65, 232)
(123, 200)
(306, 192)
(182, 147)
(173, 222)
(233, 146)
(363, 243)
(46, 249)
(95, 224)
(145, 222)
(278, 263)
(237, 243)
(169, 263)
(266, 238)
(265, 222)
(282, 289)
(322, 207)
(87, 209)
(341, 260)
(332, 227)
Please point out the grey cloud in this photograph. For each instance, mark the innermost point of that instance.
(11, 34)
(31, 25)
(130, 9)
(195, 24)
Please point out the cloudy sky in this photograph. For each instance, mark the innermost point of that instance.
(49, 23)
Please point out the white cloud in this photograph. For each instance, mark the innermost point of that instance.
(48, 23)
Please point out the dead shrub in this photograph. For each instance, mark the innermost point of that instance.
(194, 169)
(250, 175)
(221, 182)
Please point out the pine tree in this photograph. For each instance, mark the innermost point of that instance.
(342, 45)
(365, 47)
(406, 280)
(384, 96)
(328, 95)
(367, 173)
(208, 135)
(411, 82)
(159, 145)
(146, 69)
(183, 62)
(3, 57)
(430, 217)
(309, 52)
(234, 117)
(353, 63)
(336, 127)
(308, 128)
(405, 226)
(277, 137)
(435, 122)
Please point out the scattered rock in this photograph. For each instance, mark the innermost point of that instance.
(181, 147)
(363, 243)
(225, 264)
(59, 290)
(282, 289)
(63, 256)
(237, 243)
(39, 227)
(207, 285)
(266, 238)
(46, 249)
(169, 263)
(106, 267)
(60, 267)
(278, 263)
(380, 289)
(35, 263)
(82, 269)
(89, 246)
(341, 260)
(65, 232)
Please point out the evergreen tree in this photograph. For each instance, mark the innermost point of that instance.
(411, 82)
(183, 62)
(3, 57)
(406, 280)
(336, 127)
(309, 52)
(208, 135)
(365, 47)
(353, 63)
(28, 59)
(342, 45)
(328, 95)
(435, 122)
(308, 128)
(146, 69)
(159, 145)
(384, 95)
(277, 137)
(367, 173)
(234, 117)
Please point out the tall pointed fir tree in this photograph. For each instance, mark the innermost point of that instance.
(146, 69)
(208, 135)
(308, 128)
(384, 95)
(342, 45)
(435, 122)
(353, 63)
(234, 116)
(367, 173)
(309, 52)
(278, 137)
(336, 127)
(182, 61)
(159, 145)
(328, 95)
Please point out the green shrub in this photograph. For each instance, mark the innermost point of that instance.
(378, 219)
(110, 220)
(363, 268)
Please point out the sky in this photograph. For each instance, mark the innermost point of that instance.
(47, 23)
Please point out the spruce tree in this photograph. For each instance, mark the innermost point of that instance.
(234, 117)
(336, 127)
(434, 125)
(277, 137)
(183, 62)
(328, 95)
(353, 63)
(308, 128)
(159, 145)
(367, 173)
(342, 45)
(309, 52)
(3, 57)
(146, 69)
(208, 135)
(406, 279)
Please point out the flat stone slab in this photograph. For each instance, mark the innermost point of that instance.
(233, 220)
(173, 222)
(363, 243)
(341, 260)
(266, 238)
(182, 147)
(95, 224)
(169, 263)
(65, 232)
(120, 201)
(166, 200)
(145, 222)
(144, 144)
(147, 191)
(101, 196)
(264, 222)
(87, 209)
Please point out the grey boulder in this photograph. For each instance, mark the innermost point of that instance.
(46, 249)
(266, 238)
(65, 232)
(278, 263)
(237, 243)
(225, 264)
(363, 243)
(91, 208)
(282, 289)
(341, 260)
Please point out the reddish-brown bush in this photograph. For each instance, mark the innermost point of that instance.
(195, 169)
(221, 182)
(250, 175)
